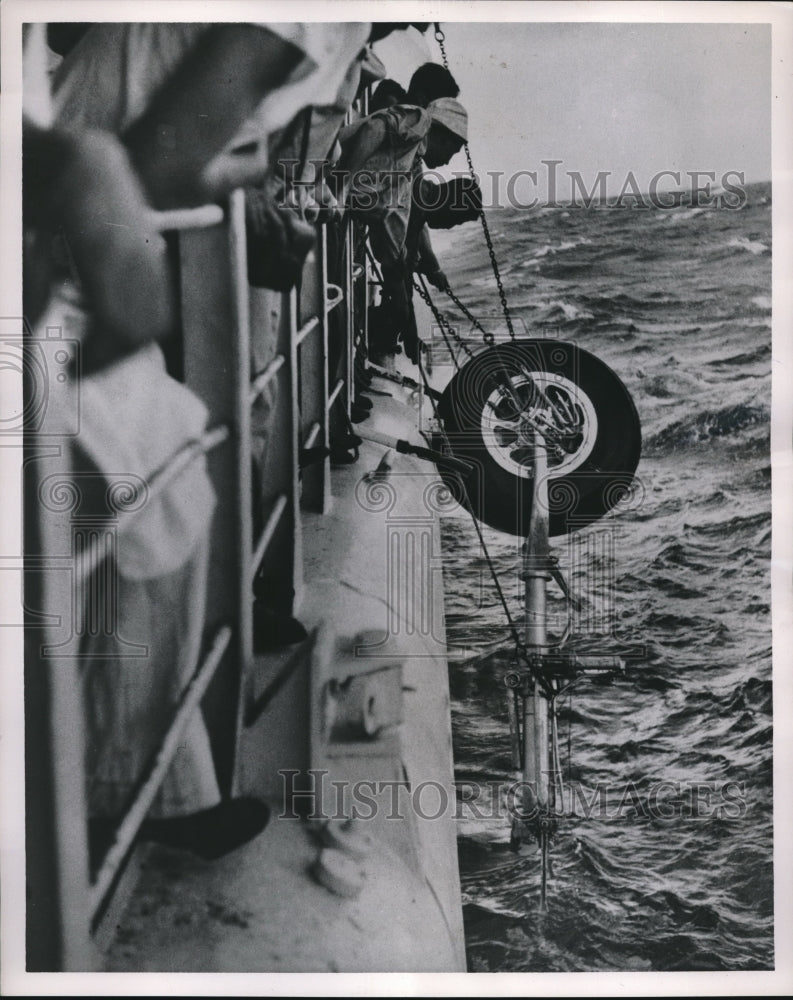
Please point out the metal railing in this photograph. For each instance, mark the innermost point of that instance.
(222, 319)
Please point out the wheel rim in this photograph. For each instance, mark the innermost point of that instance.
(563, 412)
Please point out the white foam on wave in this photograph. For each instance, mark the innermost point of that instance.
(753, 246)
(762, 301)
(681, 215)
(677, 327)
(570, 311)
(549, 248)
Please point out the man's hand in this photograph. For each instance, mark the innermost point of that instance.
(278, 238)
(438, 280)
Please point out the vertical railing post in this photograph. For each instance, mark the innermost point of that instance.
(313, 372)
(241, 327)
(276, 432)
(242, 420)
(364, 293)
(294, 450)
(58, 917)
(215, 319)
(349, 315)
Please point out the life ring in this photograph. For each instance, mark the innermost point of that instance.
(490, 411)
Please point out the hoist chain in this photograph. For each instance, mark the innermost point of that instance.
(440, 38)
(488, 338)
(443, 321)
(521, 650)
(541, 425)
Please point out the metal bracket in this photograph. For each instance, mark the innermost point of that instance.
(361, 705)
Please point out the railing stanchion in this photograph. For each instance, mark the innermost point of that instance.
(313, 361)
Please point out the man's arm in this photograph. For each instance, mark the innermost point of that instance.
(80, 190)
(429, 265)
(364, 141)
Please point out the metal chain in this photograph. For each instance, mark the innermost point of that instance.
(487, 337)
(443, 321)
(540, 425)
(440, 38)
(521, 649)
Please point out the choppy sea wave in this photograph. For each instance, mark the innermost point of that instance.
(678, 304)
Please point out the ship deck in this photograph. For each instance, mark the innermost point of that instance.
(372, 599)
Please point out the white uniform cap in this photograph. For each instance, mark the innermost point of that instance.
(450, 113)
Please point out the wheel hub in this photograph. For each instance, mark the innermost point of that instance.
(539, 403)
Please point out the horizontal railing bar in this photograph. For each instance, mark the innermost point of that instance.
(335, 392)
(308, 327)
(313, 434)
(129, 826)
(161, 478)
(188, 218)
(267, 534)
(264, 377)
(186, 455)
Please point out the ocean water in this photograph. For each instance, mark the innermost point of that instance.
(676, 871)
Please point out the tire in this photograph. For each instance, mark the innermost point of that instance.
(597, 447)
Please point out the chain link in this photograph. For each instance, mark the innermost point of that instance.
(521, 650)
(440, 38)
(488, 338)
(540, 424)
(443, 322)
